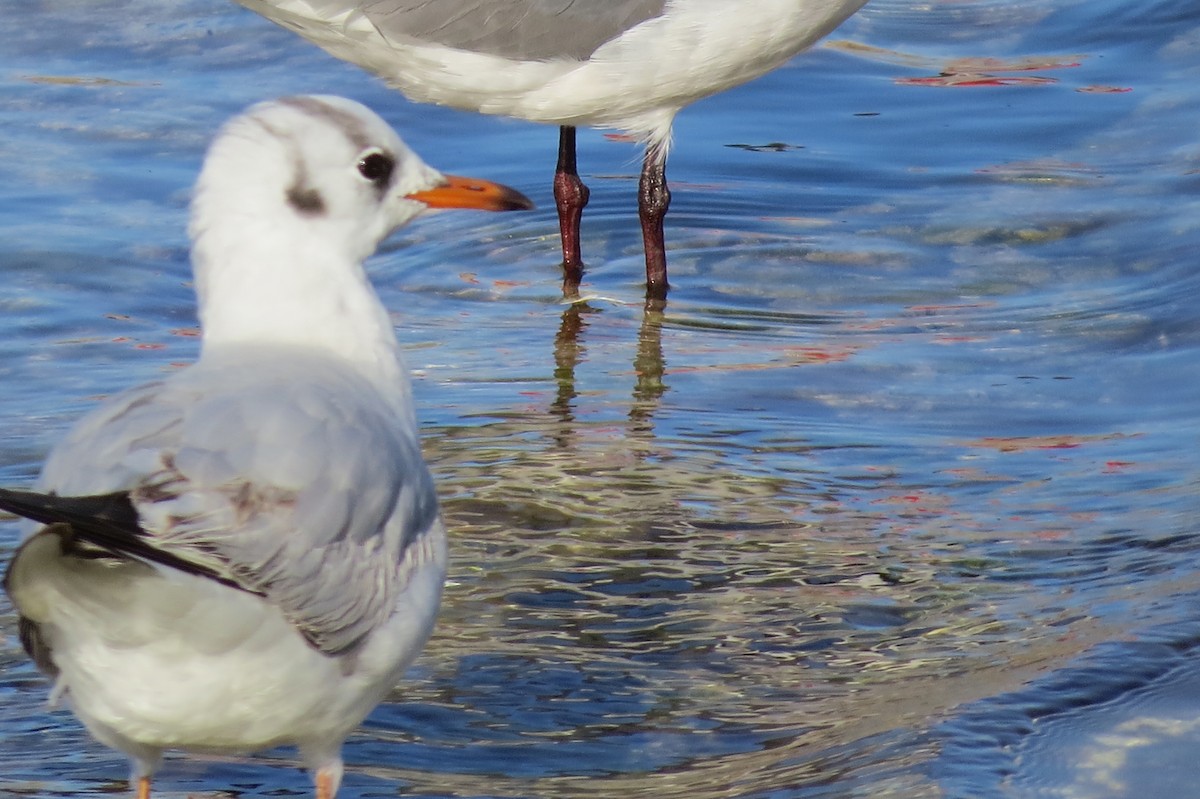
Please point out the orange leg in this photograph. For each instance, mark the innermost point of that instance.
(325, 786)
(143, 788)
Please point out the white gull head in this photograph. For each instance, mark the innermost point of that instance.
(293, 196)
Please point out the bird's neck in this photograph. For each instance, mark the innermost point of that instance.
(263, 291)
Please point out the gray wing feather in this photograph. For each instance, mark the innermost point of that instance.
(311, 502)
(536, 30)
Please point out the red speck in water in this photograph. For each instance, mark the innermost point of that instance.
(973, 81)
(974, 72)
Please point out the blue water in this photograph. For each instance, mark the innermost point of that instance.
(896, 498)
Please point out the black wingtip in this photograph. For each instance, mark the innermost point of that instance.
(107, 521)
(113, 511)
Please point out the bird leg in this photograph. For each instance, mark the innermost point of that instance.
(654, 198)
(324, 791)
(570, 195)
(327, 779)
(143, 787)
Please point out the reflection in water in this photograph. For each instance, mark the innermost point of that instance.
(568, 352)
(649, 368)
(760, 544)
(624, 619)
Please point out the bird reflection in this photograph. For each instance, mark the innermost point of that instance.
(568, 352)
(649, 368)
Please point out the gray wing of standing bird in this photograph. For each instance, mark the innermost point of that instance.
(310, 504)
(625, 64)
(523, 30)
(247, 553)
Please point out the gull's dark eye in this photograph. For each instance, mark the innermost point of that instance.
(377, 168)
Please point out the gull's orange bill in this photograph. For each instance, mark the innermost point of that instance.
(460, 192)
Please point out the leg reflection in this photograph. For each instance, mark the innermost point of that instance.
(649, 367)
(569, 350)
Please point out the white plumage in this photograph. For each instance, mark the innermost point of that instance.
(248, 553)
(624, 64)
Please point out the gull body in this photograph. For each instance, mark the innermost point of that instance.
(248, 553)
(624, 64)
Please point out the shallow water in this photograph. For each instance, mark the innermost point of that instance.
(895, 498)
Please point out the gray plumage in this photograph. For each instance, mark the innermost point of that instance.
(625, 64)
(294, 501)
(521, 29)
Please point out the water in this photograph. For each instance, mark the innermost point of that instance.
(894, 499)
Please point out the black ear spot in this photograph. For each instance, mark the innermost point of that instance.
(377, 167)
(307, 201)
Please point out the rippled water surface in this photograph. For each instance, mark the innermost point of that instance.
(896, 497)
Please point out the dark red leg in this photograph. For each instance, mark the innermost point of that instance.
(654, 198)
(570, 195)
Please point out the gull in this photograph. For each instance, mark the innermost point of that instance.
(248, 552)
(630, 65)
